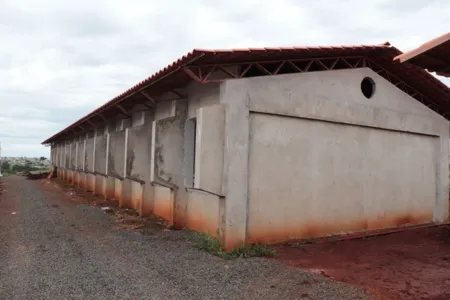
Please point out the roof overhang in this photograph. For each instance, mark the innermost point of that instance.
(434, 56)
(200, 66)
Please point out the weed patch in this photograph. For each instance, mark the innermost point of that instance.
(212, 245)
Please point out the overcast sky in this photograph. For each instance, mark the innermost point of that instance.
(61, 59)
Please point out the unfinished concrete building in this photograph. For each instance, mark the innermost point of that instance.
(266, 145)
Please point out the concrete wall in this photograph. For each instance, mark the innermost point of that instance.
(80, 156)
(310, 178)
(167, 160)
(100, 154)
(220, 178)
(202, 95)
(138, 152)
(209, 146)
(335, 97)
(203, 213)
(89, 155)
(116, 154)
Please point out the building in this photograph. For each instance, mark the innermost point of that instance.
(266, 145)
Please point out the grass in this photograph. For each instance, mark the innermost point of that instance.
(212, 245)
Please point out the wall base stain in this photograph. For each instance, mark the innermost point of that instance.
(90, 182)
(118, 184)
(98, 188)
(82, 182)
(271, 235)
(137, 194)
(201, 223)
(164, 209)
(145, 210)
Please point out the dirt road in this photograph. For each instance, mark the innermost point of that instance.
(408, 265)
(52, 248)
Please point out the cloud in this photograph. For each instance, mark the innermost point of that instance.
(59, 60)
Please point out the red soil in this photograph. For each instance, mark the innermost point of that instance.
(413, 264)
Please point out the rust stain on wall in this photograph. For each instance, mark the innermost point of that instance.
(164, 209)
(146, 209)
(76, 178)
(118, 192)
(202, 223)
(136, 201)
(269, 234)
(90, 182)
(82, 181)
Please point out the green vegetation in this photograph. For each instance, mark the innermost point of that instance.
(27, 166)
(212, 245)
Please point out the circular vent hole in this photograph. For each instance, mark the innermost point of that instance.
(368, 87)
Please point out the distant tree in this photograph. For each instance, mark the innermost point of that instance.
(42, 158)
(6, 167)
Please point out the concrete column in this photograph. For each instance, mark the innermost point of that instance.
(126, 199)
(441, 210)
(82, 181)
(108, 188)
(98, 188)
(146, 208)
(90, 182)
(180, 196)
(99, 161)
(137, 194)
(118, 189)
(235, 181)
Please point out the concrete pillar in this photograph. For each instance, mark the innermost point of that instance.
(235, 183)
(137, 194)
(76, 178)
(126, 200)
(108, 188)
(146, 208)
(90, 182)
(441, 210)
(70, 177)
(164, 203)
(82, 180)
(98, 188)
(118, 189)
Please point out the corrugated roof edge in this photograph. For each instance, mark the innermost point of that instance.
(174, 66)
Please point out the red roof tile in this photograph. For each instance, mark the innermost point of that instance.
(198, 57)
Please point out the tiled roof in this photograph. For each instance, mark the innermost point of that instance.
(173, 75)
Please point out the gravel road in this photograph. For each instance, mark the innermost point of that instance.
(52, 248)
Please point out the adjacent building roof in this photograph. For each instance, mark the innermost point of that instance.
(175, 75)
(434, 55)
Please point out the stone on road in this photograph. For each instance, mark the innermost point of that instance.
(52, 248)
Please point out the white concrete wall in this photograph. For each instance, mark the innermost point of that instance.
(203, 213)
(332, 96)
(210, 138)
(202, 95)
(311, 178)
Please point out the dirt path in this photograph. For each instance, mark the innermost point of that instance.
(52, 248)
(413, 264)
